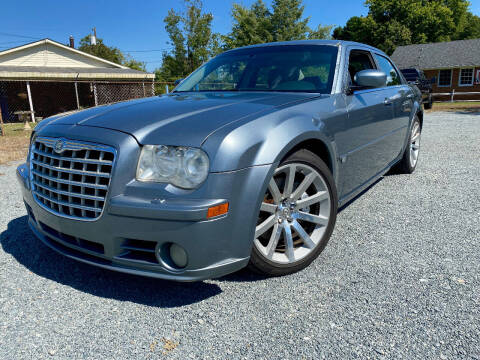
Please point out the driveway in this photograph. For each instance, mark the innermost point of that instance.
(400, 279)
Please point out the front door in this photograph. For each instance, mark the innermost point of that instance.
(361, 145)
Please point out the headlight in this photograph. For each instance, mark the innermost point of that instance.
(183, 167)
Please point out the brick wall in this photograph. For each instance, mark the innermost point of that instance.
(458, 89)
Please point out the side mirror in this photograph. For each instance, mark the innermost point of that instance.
(177, 82)
(370, 78)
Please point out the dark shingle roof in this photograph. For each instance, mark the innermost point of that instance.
(438, 55)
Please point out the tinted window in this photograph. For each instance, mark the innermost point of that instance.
(299, 68)
(358, 61)
(393, 78)
(411, 74)
(445, 77)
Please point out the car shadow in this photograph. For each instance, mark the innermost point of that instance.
(468, 112)
(29, 251)
(243, 275)
(351, 201)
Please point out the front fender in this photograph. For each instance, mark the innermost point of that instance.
(267, 140)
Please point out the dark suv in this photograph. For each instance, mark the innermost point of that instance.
(417, 77)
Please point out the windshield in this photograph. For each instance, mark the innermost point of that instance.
(297, 68)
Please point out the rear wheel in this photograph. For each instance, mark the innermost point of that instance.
(428, 105)
(410, 157)
(297, 216)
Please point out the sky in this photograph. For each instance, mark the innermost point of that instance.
(136, 27)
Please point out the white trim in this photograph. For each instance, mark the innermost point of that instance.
(54, 43)
(460, 77)
(446, 68)
(451, 77)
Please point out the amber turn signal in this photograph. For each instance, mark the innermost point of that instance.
(217, 210)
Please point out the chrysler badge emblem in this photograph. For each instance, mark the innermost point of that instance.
(58, 147)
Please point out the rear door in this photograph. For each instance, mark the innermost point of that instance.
(399, 96)
(362, 145)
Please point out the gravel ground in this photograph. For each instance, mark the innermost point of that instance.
(400, 279)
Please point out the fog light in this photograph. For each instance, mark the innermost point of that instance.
(178, 255)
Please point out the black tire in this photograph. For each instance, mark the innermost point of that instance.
(405, 166)
(428, 105)
(259, 263)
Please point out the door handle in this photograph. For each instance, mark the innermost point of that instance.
(388, 101)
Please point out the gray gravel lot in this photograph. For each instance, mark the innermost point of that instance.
(400, 279)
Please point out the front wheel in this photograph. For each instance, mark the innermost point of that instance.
(297, 216)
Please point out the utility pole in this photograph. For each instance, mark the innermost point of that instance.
(93, 38)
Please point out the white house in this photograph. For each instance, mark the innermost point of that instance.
(47, 77)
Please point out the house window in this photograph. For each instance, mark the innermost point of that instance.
(466, 77)
(445, 78)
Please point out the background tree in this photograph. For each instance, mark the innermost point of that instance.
(134, 64)
(109, 53)
(192, 41)
(322, 32)
(258, 24)
(286, 20)
(391, 23)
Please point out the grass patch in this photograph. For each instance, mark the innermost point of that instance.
(464, 106)
(14, 144)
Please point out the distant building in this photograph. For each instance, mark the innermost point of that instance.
(47, 77)
(455, 65)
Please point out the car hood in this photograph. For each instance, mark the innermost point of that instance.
(178, 119)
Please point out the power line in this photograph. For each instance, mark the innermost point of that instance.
(166, 49)
(20, 36)
(12, 42)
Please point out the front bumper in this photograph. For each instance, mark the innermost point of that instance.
(139, 219)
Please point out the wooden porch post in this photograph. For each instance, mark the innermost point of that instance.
(95, 95)
(76, 95)
(2, 129)
(30, 101)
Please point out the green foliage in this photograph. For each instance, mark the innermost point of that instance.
(192, 40)
(286, 20)
(322, 32)
(250, 26)
(109, 53)
(101, 50)
(258, 24)
(134, 64)
(391, 23)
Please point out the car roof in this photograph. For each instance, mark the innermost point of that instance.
(311, 42)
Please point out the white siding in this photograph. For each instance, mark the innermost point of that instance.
(49, 55)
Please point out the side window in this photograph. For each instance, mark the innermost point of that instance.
(386, 66)
(358, 61)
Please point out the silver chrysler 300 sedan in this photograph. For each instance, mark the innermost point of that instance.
(244, 164)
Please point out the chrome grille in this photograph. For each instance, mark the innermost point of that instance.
(70, 178)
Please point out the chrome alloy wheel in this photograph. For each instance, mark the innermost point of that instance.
(292, 220)
(414, 144)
